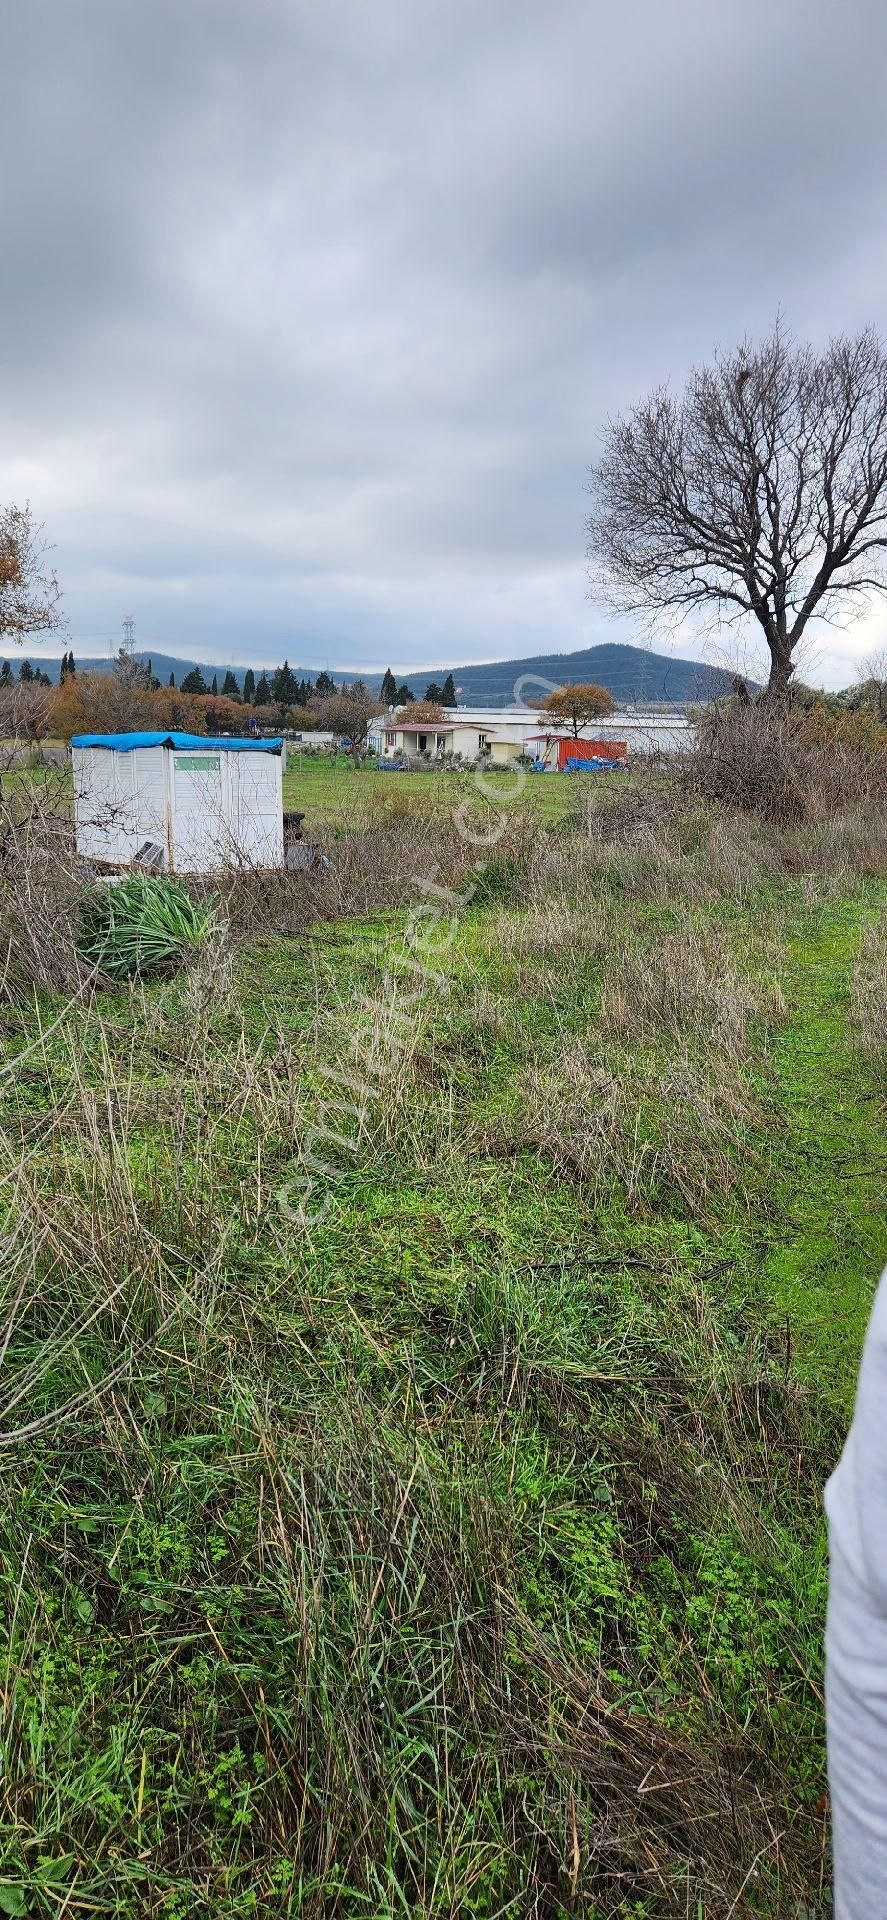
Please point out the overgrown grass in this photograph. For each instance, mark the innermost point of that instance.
(458, 1552)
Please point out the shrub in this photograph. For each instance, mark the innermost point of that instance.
(39, 887)
(141, 924)
(788, 765)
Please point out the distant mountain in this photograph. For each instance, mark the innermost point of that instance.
(631, 674)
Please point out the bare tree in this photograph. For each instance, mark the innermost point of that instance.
(26, 712)
(29, 594)
(350, 715)
(761, 491)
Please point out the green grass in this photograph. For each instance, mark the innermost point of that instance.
(459, 1552)
(831, 1189)
(319, 783)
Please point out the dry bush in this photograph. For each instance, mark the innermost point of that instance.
(39, 888)
(26, 712)
(785, 764)
(868, 1019)
(369, 869)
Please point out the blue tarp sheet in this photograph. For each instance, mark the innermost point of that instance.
(191, 742)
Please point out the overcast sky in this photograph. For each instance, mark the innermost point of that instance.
(312, 314)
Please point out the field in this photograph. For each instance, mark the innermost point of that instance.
(315, 782)
(427, 1332)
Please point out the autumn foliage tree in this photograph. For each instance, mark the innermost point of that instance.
(29, 591)
(103, 703)
(759, 494)
(427, 712)
(577, 703)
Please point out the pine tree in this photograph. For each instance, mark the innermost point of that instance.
(26, 672)
(326, 686)
(194, 682)
(388, 690)
(283, 685)
(262, 695)
(448, 692)
(433, 693)
(5, 674)
(404, 695)
(249, 686)
(230, 689)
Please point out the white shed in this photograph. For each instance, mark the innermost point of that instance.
(203, 804)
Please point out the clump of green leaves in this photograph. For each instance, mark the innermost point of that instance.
(141, 924)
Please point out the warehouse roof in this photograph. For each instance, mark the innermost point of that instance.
(127, 742)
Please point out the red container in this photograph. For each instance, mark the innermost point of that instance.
(590, 750)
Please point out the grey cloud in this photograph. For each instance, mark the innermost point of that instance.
(312, 316)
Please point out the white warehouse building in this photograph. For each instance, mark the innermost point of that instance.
(503, 734)
(178, 801)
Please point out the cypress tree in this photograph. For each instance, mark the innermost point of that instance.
(448, 692)
(388, 690)
(249, 686)
(194, 682)
(283, 685)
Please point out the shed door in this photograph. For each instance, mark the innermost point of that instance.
(257, 782)
(201, 811)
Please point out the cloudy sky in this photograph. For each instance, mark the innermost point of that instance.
(312, 314)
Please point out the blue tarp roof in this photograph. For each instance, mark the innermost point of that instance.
(194, 742)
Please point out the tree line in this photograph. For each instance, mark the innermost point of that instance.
(282, 689)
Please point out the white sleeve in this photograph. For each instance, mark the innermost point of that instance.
(856, 1640)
